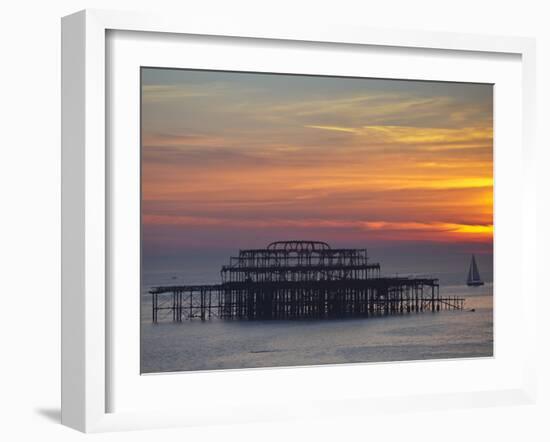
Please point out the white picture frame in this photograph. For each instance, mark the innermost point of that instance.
(86, 204)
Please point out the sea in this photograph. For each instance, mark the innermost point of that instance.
(219, 344)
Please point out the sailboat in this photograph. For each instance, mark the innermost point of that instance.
(473, 274)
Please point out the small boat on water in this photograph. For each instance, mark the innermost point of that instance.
(474, 279)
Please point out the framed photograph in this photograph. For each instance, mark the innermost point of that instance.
(292, 222)
(260, 159)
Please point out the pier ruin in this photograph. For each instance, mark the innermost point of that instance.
(300, 280)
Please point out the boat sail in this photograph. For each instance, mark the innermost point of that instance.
(473, 274)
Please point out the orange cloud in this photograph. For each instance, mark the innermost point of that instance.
(384, 164)
(438, 231)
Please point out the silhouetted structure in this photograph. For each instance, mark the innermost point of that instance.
(301, 279)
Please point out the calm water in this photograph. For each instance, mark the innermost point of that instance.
(218, 344)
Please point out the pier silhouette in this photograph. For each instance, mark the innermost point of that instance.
(300, 280)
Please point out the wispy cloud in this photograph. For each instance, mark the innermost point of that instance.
(165, 93)
(377, 160)
(333, 128)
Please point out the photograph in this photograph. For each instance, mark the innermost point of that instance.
(303, 220)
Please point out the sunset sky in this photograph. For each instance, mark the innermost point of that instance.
(237, 160)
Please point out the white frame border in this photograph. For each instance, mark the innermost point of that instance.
(84, 199)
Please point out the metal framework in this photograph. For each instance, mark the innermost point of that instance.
(301, 279)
